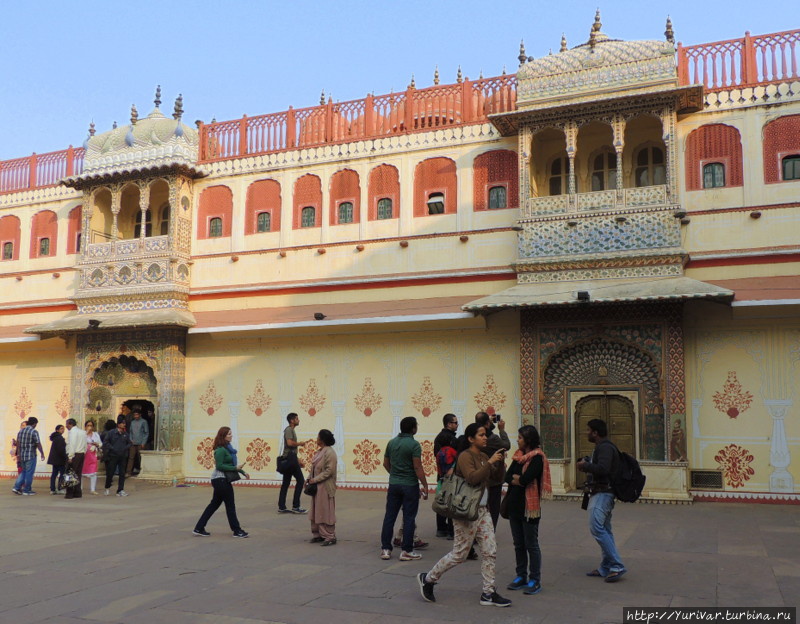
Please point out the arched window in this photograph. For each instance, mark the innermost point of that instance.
(215, 227)
(791, 167)
(308, 217)
(263, 222)
(8, 251)
(164, 229)
(604, 171)
(385, 208)
(435, 204)
(497, 197)
(650, 169)
(346, 212)
(713, 175)
(148, 224)
(557, 178)
(44, 247)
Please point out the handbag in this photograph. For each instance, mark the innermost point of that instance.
(282, 464)
(68, 479)
(310, 489)
(457, 499)
(232, 475)
(504, 504)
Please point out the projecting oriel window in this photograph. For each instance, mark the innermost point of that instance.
(44, 247)
(497, 197)
(385, 208)
(713, 175)
(435, 204)
(8, 251)
(215, 227)
(308, 217)
(791, 168)
(263, 222)
(345, 212)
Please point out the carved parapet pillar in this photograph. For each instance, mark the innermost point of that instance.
(571, 132)
(116, 204)
(619, 146)
(668, 123)
(144, 205)
(525, 147)
(780, 480)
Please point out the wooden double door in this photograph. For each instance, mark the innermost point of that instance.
(619, 415)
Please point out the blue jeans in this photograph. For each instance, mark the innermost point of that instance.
(405, 497)
(25, 478)
(57, 472)
(600, 507)
(527, 553)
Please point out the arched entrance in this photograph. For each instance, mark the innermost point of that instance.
(617, 412)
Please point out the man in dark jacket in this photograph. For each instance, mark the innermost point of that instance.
(116, 445)
(446, 437)
(601, 469)
(495, 442)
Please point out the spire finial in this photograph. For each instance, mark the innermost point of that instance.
(436, 76)
(459, 76)
(669, 33)
(157, 101)
(480, 75)
(91, 128)
(114, 125)
(134, 115)
(178, 110)
(563, 43)
(504, 70)
(322, 98)
(597, 23)
(522, 56)
(412, 84)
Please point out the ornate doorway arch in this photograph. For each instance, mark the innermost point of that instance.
(119, 376)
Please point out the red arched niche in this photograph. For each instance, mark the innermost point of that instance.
(496, 168)
(307, 192)
(435, 175)
(263, 196)
(781, 139)
(345, 187)
(9, 233)
(74, 227)
(215, 202)
(713, 143)
(384, 183)
(44, 225)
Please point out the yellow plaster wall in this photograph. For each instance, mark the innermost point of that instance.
(451, 368)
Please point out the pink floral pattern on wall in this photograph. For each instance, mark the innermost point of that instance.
(734, 461)
(366, 456)
(205, 453)
(259, 401)
(428, 458)
(306, 452)
(732, 400)
(258, 454)
(62, 405)
(210, 400)
(369, 401)
(312, 401)
(490, 399)
(23, 404)
(427, 400)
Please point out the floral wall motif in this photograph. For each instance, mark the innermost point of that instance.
(367, 457)
(258, 453)
(490, 399)
(306, 452)
(732, 400)
(23, 404)
(428, 458)
(368, 401)
(259, 401)
(312, 401)
(427, 400)
(210, 400)
(205, 453)
(735, 461)
(62, 404)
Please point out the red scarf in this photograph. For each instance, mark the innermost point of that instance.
(533, 492)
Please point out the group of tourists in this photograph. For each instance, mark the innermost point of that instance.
(78, 455)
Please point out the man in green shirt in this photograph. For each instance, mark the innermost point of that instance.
(294, 467)
(403, 462)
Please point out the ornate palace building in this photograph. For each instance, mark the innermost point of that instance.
(612, 232)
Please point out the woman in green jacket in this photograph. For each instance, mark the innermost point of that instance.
(223, 489)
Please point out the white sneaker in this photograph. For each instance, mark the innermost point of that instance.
(107, 492)
(386, 554)
(122, 493)
(410, 556)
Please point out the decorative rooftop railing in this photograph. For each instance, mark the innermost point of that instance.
(39, 170)
(736, 63)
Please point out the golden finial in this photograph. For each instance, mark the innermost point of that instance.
(178, 110)
(114, 126)
(480, 75)
(412, 84)
(322, 98)
(134, 115)
(91, 128)
(157, 101)
(563, 43)
(597, 24)
(504, 70)
(436, 76)
(459, 76)
(669, 33)
(522, 56)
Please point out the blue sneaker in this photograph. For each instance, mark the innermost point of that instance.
(517, 583)
(533, 587)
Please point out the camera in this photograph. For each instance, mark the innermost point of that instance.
(496, 418)
(586, 459)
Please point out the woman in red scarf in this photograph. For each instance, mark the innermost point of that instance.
(528, 480)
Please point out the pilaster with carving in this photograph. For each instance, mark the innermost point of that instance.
(116, 205)
(144, 205)
(780, 479)
(618, 128)
(571, 131)
(668, 123)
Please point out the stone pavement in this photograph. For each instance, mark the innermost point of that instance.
(134, 560)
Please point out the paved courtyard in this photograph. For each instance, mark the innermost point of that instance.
(134, 559)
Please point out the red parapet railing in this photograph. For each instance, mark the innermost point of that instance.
(376, 116)
(39, 170)
(736, 63)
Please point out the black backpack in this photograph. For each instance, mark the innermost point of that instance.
(629, 480)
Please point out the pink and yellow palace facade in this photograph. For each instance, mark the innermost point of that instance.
(612, 232)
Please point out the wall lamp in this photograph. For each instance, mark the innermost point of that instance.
(583, 296)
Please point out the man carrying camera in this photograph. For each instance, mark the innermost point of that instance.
(495, 442)
(600, 469)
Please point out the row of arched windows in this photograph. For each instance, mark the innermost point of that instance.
(44, 234)
(496, 186)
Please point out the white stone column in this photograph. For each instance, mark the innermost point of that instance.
(696, 405)
(338, 433)
(397, 415)
(780, 480)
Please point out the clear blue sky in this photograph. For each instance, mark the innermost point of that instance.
(63, 64)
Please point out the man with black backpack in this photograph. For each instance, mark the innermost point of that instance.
(601, 470)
